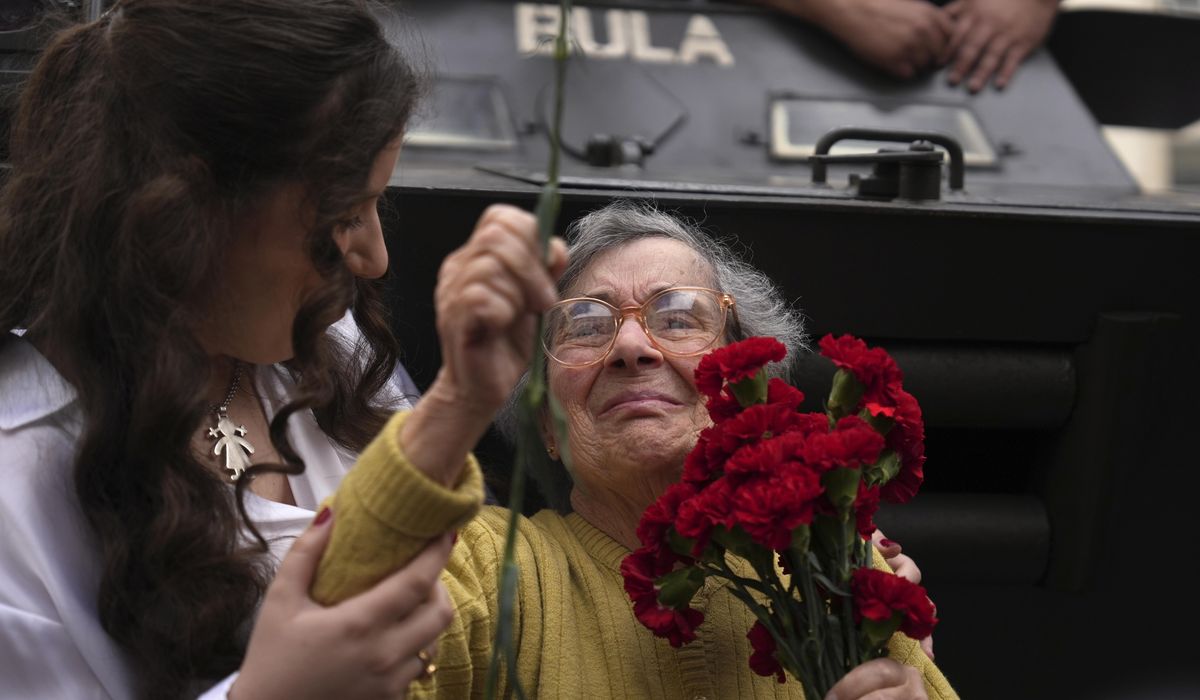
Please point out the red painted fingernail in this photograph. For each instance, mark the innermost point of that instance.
(886, 542)
(322, 517)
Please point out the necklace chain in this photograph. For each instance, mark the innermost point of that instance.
(233, 389)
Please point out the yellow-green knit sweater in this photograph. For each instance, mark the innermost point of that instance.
(576, 633)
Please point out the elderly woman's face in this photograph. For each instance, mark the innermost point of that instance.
(634, 416)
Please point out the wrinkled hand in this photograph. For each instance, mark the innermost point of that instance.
(992, 37)
(903, 37)
(905, 567)
(489, 293)
(364, 647)
(880, 679)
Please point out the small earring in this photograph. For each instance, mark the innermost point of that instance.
(552, 451)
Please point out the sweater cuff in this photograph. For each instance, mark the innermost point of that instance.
(402, 497)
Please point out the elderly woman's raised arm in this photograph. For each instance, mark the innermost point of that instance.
(417, 479)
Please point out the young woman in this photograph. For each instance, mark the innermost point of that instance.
(191, 210)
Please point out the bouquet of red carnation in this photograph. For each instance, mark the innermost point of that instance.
(780, 503)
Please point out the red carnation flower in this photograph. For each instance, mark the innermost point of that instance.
(652, 528)
(678, 626)
(878, 595)
(698, 515)
(852, 444)
(780, 392)
(873, 367)
(735, 362)
(756, 423)
(760, 457)
(722, 407)
(877, 409)
(769, 508)
(698, 468)
(762, 660)
(865, 507)
(907, 438)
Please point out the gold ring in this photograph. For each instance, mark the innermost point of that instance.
(430, 667)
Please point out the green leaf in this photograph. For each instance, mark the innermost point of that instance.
(875, 633)
(830, 585)
(881, 423)
(801, 537)
(680, 544)
(752, 390)
(737, 541)
(844, 395)
(841, 486)
(885, 469)
(677, 588)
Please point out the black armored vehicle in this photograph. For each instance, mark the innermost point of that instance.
(1042, 307)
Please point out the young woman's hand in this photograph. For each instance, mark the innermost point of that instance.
(365, 647)
(893, 554)
(880, 679)
(905, 567)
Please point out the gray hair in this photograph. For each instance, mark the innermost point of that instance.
(759, 305)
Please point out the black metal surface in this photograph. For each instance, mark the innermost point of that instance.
(948, 528)
(971, 385)
(1132, 68)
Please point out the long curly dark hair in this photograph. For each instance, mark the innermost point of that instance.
(136, 142)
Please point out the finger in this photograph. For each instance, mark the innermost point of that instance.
(905, 567)
(962, 29)
(297, 570)
(945, 25)
(868, 677)
(489, 274)
(1012, 61)
(882, 542)
(481, 315)
(973, 46)
(927, 647)
(515, 218)
(556, 257)
(912, 688)
(413, 669)
(395, 596)
(520, 263)
(991, 60)
(510, 220)
(917, 44)
(419, 631)
(954, 9)
(888, 548)
(934, 28)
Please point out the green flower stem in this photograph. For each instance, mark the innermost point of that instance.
(533, 399)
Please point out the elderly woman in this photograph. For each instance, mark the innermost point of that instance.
(624, 378)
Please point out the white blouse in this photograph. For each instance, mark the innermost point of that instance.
(51, 641)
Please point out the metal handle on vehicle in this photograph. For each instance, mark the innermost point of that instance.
(827, 141)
